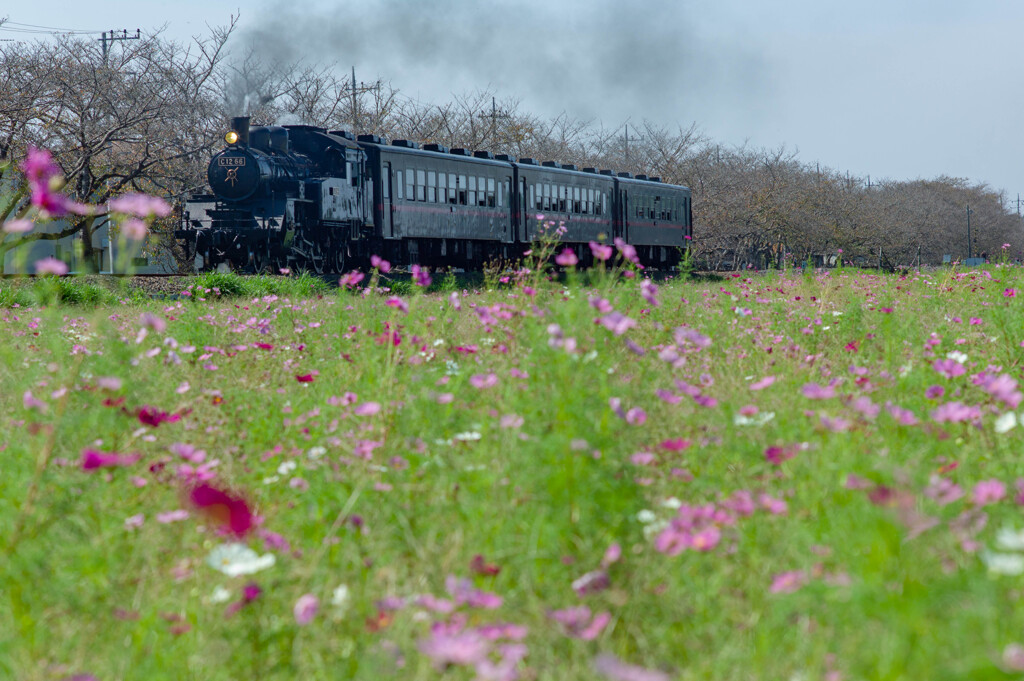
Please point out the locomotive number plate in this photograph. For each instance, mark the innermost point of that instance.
(231, 161)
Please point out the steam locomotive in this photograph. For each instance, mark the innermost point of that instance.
(300, 197)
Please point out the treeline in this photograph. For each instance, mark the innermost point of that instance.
(148, 117)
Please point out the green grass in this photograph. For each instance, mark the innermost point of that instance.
(535, 473)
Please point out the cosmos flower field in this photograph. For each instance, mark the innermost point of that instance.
(773, 476)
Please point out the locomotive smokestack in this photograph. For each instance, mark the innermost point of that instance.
(240, 125)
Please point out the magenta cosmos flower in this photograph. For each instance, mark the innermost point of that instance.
(230, 511)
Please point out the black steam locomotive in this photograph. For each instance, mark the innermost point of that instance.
(301, 197)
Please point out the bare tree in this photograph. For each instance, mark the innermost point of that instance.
(138, 120)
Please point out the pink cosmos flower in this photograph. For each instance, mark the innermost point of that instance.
(943, 490)
(762, 383)
(134, 229)
(93, 459)
(636, 416)
(152, 322)
(628, 252)
(28, 401)
(611, 555)
(455, 648)
(151, 416)
(305, 609)
(788, 582)
(1010, 293)
(305, 378)
(567, 258)
(133, 522)
(172, 516)
(140, 205)
(934, 392)
(818, 392)
(617, 323)
(50, 265)
(464, 593)
(380, 263)
(691, 338)
(43, 177)
(601, 252)
(578, 623)
(397, 303)
(17, 227)
(591, 583)
(617, 670)
(367, 409)
(955, 412)
(776, 455)
(949, 368)
(988, 492)
(420, 276)
(649, 292)
(108, 383)
(481, 381)
(1004, 388)
(351, 279)
(600, 304)
(230, 511)
(904, 417)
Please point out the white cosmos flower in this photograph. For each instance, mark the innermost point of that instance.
(1009, 539)
(1006, 422)
(957, 356)
(220, 595)
(341, 597)
(646, 516)
(672, 503)
(238, 559)
(467, 436)
(1004, 563)
(654, 528)
(287, 467)
(758, 419)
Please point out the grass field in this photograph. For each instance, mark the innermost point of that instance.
(767, 477)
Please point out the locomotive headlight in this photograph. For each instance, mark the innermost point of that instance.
(231, 137)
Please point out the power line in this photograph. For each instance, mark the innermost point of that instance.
(51, 28)
(35, 29)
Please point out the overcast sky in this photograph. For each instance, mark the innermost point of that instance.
(889, 88)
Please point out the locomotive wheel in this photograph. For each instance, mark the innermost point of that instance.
(339, 259)
(261, 261)
(317, 260)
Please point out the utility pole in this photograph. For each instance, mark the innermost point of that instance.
(494, 116)
(969, 252)
(114, 36)
(626, 138)
(357, 90)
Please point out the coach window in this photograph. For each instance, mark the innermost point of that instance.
(431, 186)
(533, 199)
(490, 192)
(471, 197)
(453, 194)
(590, 202)
(421, 185)
(463, 197)
(576, 207)
(442, 188)
(482, 196)
(562, 208)
(410, 184)
(398, 184)
(547, 197)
